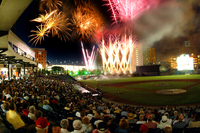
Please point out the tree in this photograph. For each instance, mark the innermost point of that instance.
(57, 70)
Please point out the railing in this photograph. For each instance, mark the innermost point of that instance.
(20, 51)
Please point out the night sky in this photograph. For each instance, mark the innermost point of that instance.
(166, 42)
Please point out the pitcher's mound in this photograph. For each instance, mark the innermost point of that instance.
(171, 91)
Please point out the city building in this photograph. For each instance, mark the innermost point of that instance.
(16, 58)
(173, 62)
(149, 56)
(137, 57)
(41, 56)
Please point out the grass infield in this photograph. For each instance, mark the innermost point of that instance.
(142, 90)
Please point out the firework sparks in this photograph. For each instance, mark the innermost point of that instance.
(39, 34)
(86, 20)
(125, 10)
(117, 54)
(58, 25)
(89, 59)
(43, 18)
(46, 4)
(54, 23)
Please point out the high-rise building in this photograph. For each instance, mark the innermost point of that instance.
(174, 63)
(198, 61)
(40, 56)
(152, 56)
(149, 56)
(137, 57)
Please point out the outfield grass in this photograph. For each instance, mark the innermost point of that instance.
(143, 97)
(152, 85)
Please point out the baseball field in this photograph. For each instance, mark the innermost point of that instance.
(170, 90)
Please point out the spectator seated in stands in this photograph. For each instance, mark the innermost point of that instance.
(124, 112)
(96, 125)
(102, 128)
(144, 128)
(46, 106)
(57, 129)
(25, 109)
(38, 114)
(111, 125)
(13, 118)
(150, 122)
(123, 127)
(64, 123)
(77, 125)
(164, 122)
(169, 121)
(180, 123)
(67, 107)
(195, 123)
(5, 106)
(168, 129)
(42, 125)
(40, 104)
(86, 126)
(90, 115)
(31, 113)
(189, 118)
(141, 120)
(95, 119)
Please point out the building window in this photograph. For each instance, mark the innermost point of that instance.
(39, 52)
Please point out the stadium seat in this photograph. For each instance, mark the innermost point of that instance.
(136, 128)
(192, 130)
(177, 130)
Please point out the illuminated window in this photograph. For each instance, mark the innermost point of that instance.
(39, 52)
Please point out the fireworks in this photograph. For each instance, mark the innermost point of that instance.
(86, 20)
(43, 18)
(117, 54)
(58, 25)
(39, 34)
(54, 23)
(125, 10)
(47, 4)
(89, 59)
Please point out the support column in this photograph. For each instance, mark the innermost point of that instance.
(8, 72)
(11, 70)
(24, 69)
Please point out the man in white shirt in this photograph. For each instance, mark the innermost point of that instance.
(64, 123)
(77, 125)
(164, 122)
(31, 113)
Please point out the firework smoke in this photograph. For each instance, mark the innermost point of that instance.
(171, 19)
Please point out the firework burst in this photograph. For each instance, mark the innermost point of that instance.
(54, 23)
(86, 20)
(58, 25)
(39, 34)
(43, 17)
(117, 54)
(46, 4)
(125, 10)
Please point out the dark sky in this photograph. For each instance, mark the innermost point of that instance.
(70, 51)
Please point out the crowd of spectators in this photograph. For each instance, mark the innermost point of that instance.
(50, 105)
